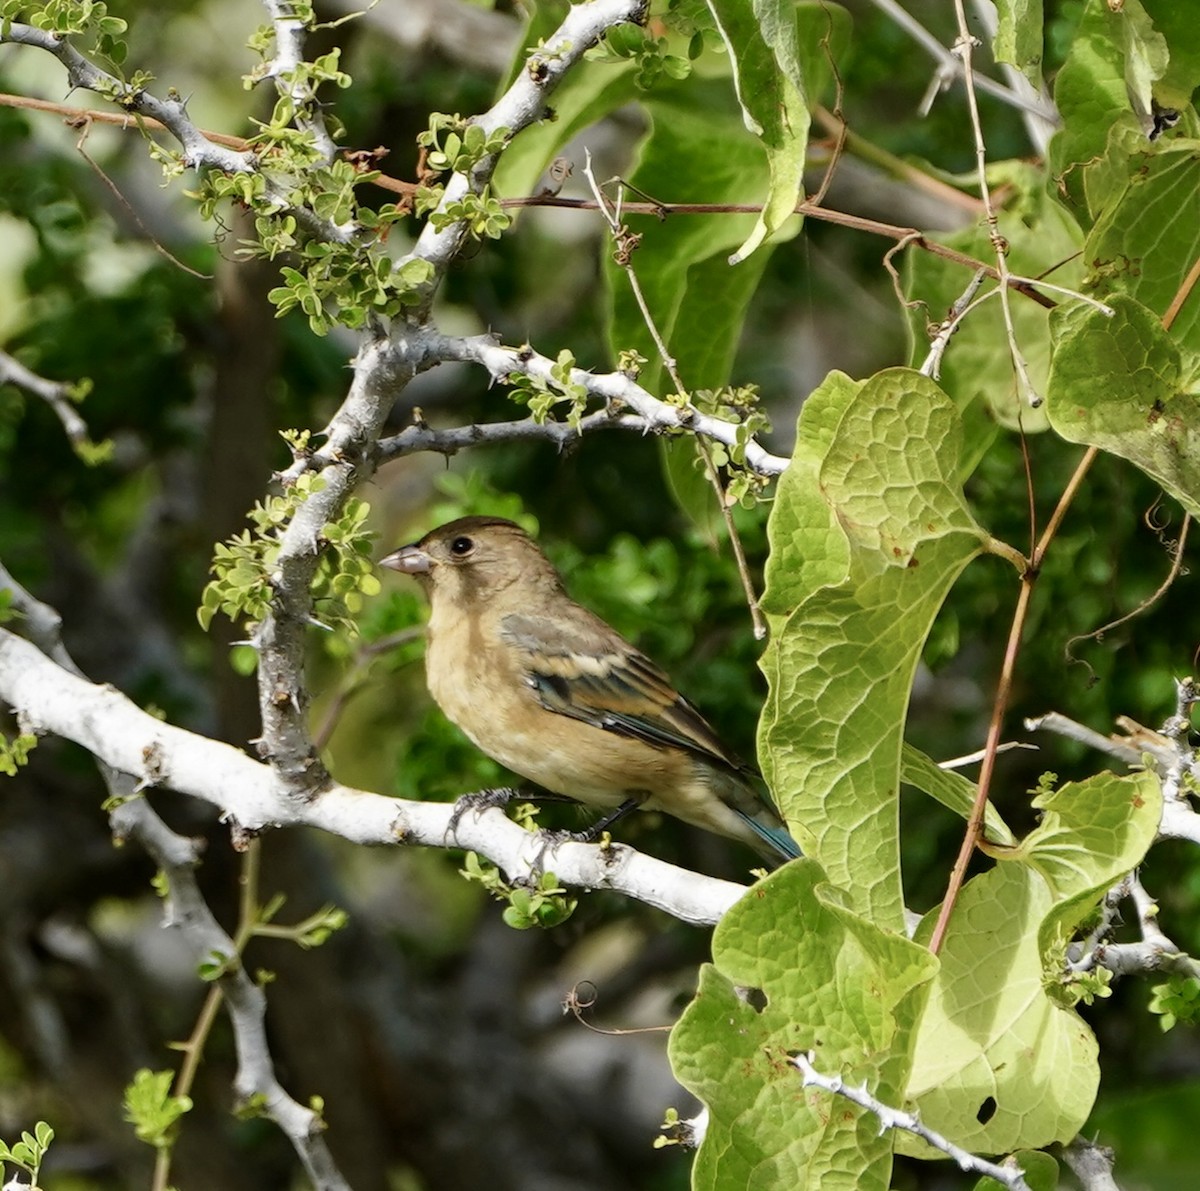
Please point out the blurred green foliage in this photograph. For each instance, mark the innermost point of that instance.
(83, 293)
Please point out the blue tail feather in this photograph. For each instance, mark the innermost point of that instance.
(777, 837)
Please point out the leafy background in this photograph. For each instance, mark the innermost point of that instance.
(192, 376)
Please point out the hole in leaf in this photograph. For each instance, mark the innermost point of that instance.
(754, 997)
(986, 1110)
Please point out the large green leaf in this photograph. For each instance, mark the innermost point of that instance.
(696, 150)
(952, 790)
(590, 92)
(1092, 833)
(1117, 383)
(1178, 25)
(1000, 1063)
(841, 665)
(1019, 36)
(760, 37)
(1148, 237)
(1091, 96)
(826, 981)
(813, 549)
(1039, 1168)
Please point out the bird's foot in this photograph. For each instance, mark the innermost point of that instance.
(549, 838)
(479, 802)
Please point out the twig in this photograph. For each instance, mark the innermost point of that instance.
(838, 125)
(187, 910)
(616, 389)
(1000, 704)
(1061, 725)
(75, 115)
(963, 50)
(450, 440)
(970, 758)
(283, 68)
(159, 247)
(1009, 1175)
(932, 364)
(897, 167)
(952, 67)
(625, 247)
(1148, 602)
(56, 394)
(200, 152)
(576, 1003)
(904, 236)
(1091, 1164)
(1188, 284)
(1154, 953)
(354, 682)
(185, 907)
(1041, 125)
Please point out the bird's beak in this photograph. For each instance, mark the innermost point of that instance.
(409, 560)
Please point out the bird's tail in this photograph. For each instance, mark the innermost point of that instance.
(776, 838)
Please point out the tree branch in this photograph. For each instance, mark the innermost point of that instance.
(380, 374)
(610, 387)
(522, 104)
(56, 394)
(186, 909)
(892, 1118)
(420, 436)
(950, 67)
(199, 151)
(102, 720)
(289, 55)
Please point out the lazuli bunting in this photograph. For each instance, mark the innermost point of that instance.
(553, 693)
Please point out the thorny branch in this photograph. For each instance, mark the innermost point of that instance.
(1010, 1176)
(186, 909)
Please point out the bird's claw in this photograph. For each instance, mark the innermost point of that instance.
(480, 801)
(549, 838)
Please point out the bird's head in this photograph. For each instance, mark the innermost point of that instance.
(473, 558)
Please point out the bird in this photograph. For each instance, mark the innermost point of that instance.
(549, 690)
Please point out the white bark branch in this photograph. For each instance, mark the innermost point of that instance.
(47, 699)
(187, 911)
(522, 104)
(54, 393)
(610, 387)
(1091, 1164)
(1010, 1176)
(450, 440)
(289, 55)
(951, 68)
(199, 151)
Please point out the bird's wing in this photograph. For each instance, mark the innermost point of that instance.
(581, 668)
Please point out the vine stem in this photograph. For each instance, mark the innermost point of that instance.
(905, 236)
(624, 247)
(1004, 686)
(1003, 693)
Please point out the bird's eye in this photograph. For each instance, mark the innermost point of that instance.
(461, 546)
